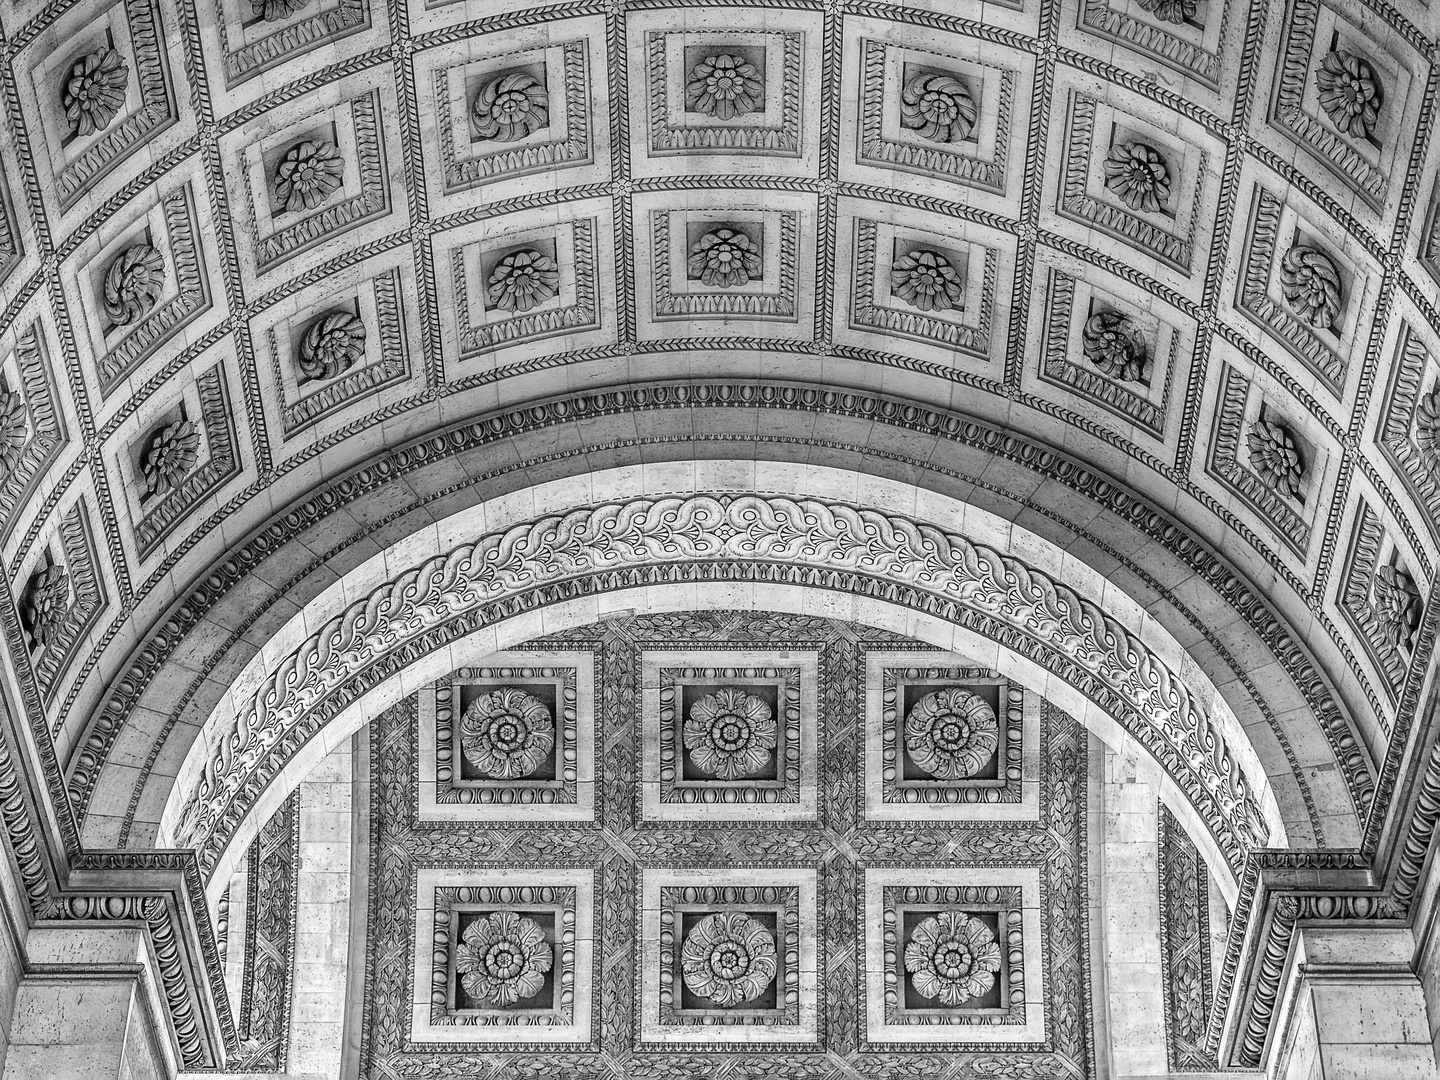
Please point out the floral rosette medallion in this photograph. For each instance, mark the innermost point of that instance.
(952, 957)
(503, 958)
(728, 959)
(730, 734)
(951, 733)
(506, 734)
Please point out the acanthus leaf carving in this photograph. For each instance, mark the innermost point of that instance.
(952, 957)
(926, 280)
(1396, 605)
(14, 431)
(277, 10)
(133, 284)
(308, 174)
(724, 258)
(95, 91)
(1137, 174)
(174, 449)
(1275, 457)
(46, 606)
(1310, 283)
(1349, 92)
(523, 280)
(724, 87)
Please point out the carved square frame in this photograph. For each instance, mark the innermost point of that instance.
(779, 254)
(244, 54)
(1415, 371)
(435, 1024)
(1195, 55)
(569, 799)
(29, 370)
(1369, 545)
(795, 1029)
(665, 799)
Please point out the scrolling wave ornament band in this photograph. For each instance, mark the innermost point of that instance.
(829, 538)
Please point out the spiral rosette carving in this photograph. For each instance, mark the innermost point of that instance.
(1396, 605)
(938, 108)
(953, 957)
(174, 449)
(523, 280)
(277, 10)
(133, 284)
(1171, 11)
(926, 280)
(1310, 283)
(308, 174)
(725, 87)
(510, 106)
(1113, 343)
(725, 258)
(503, 958)
(507, 733)
(332, 345)
(951, 733)
(1349, 92)
(730, 734)
(1427, 428)
(728, 958)
(14, 431)
(95, 91)
(1138, 176)
(46, 607)
(1275, 457)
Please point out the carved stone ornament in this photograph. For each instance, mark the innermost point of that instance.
(95, 90)
(173, 452)
(725, 258)
(523, 280)
(951, 733)
(332, 345)
(952, 957)
(507, 733)
(730, 734)
(1427, 428)
(46, 607)
(133, 284)
(1396, 606)
(510, 106)
(926, 280)
(308, 174)
(725, 87)
(1275, 457)
(1310, 283)
(1171, 11)
(277, 10)
(14, 430)
(1138, 176)
(728, 959)
(1113, 343)
(938, 108)
(503, 958)
(1349, 92)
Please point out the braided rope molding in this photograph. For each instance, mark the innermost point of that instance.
(819, 539)
(127, 687)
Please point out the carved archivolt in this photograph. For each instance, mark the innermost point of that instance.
(826, 539)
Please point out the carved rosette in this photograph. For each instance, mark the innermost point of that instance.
(1310, 283)
(1275, 457)
(174, 449)
(1396, 605)
(952, 957)
(503, 958)
(133, 284)
(1138, 175)
(730, 734)
(728, 959)
(523, 280)
(277, 10)
(510, 106)
(95, 91)
(938, 108)
(1349, 93)
(725, 258)
(1113, 343)
(308, 174)
(14, 430)
(507, 733)
(926, 280)
(951, 733)
(1427, 428)
(725, 87)
(46, 607)
(331, 346)
(1171, 11)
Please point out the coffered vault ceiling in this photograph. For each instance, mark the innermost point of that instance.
(300, 295)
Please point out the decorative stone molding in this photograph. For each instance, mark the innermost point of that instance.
(810, 538)
(1311, 285)
(937, 107)
(1350, 93)
(1163, 34)
(45, 608)
(735, 263)
(1184, 947)
(308, 173)
(271, 918)
(724, 86)
(95, 91)
(1137, 173)
(522, 280)
(34, 433)
(1408, 433)
(75, 541)
(332, 345)
(287, 31)
(133, 284)
(1113, 344)
(926, 280)
(1380, 599)
(174, 448)
(510, 106)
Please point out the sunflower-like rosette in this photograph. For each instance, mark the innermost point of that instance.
(951, 733)
(952, 957)
(332, 345)
(1113, 343)
(133, 284)
(725, 258)
(503, 958)
(728, 958)
(1275, 457)
(1349, 92)
(523, 280)
(510, 107)
(174, 449)
(1396, 606)
(730, 734)
(308, 173)
(1138, 176)
(937, 107)
(46, 607)
(94, 91)
(725, 87)
(926, 280)
(1310, 283)
(507, 733)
